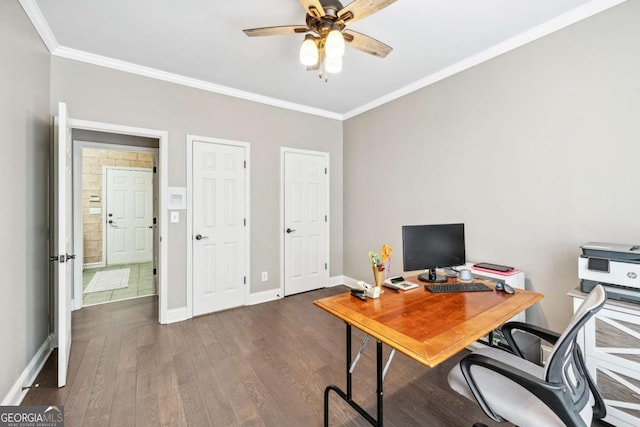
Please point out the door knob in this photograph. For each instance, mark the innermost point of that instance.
(200, 237)
(289, 230)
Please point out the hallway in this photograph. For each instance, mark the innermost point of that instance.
(140, 283)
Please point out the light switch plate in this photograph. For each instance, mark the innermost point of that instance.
(175, 217)
(95, 211)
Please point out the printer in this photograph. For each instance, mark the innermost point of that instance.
(616, 266)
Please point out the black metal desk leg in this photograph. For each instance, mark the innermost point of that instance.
(347, 396)
(379, 380)
(348, 362)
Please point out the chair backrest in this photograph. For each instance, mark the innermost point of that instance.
(565, 365)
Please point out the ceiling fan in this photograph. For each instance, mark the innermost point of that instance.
(326, 32)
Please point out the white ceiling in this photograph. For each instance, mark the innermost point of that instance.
(202, 40)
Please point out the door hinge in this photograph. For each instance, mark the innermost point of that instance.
(155, 272)
(325, 218)
(245, 164)
(155, 169)
(325, 171)
(245, 222)
(59, 258)
(155, 221)
(245, 280)
(325, 265)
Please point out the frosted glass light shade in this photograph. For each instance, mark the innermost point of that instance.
(333, 64)
(334, 47)
(308, 52)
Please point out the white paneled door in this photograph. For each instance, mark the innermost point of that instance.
(129, 215)
(306, 231)
(219, 226)
(62, 239)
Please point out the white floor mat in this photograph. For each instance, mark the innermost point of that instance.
(108, 280)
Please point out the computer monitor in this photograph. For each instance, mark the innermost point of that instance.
(425, 247)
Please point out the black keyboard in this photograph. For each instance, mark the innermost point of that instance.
(458, 287)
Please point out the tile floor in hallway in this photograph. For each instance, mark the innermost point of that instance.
(140, 284)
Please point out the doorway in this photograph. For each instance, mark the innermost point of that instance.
(304, 220)
(217, 224)
(129, 209)
(67, 241)
(116, 195)
(123, 139)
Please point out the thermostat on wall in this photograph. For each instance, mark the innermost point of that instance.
(177, 198)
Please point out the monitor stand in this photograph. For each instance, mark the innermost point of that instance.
(431, 277)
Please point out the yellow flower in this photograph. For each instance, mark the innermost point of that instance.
(386, 252)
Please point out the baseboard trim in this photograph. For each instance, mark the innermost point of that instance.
(90, 265)
(176, 315)
(16, 393)
(349, 281)
(264, 296)
(180, 314)
(337, 281)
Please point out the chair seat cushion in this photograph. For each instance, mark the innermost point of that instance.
(506, 398)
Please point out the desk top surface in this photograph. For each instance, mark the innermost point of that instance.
(426, 326)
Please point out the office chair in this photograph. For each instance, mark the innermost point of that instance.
(510, 388)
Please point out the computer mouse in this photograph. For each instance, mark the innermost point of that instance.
(501, 286)
(465, 274)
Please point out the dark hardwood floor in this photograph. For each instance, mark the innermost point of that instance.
(262, 365)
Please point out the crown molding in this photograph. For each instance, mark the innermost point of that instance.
(558, 23)
(32, 10)
(116, 64)
(42, 27)
(585, 11)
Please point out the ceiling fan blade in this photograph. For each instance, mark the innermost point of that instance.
(366, 43)
(313, 7)
(276, 31)
(359, 9)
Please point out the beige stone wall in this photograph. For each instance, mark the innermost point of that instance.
(93, 160)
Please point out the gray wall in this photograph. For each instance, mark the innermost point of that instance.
(24, 141)
(104, 95)
(536, 151)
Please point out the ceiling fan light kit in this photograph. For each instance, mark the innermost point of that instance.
(309, 51)
(334, 46)
(326, 33)
(333, 64)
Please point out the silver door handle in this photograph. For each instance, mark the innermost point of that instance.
(200, 237)
(289, 230)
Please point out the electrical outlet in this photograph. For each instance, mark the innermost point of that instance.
(265, 276)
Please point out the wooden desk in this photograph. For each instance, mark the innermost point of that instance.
(427, 327)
